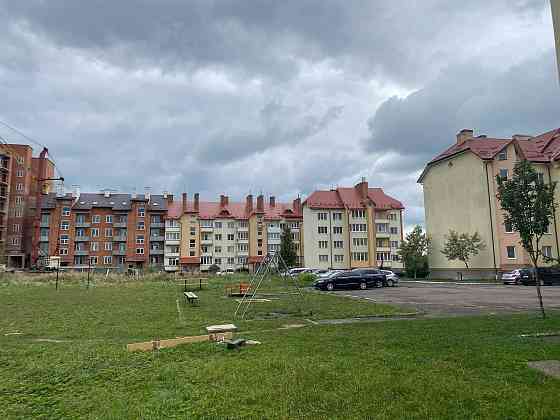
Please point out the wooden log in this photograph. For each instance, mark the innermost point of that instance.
(173, 342)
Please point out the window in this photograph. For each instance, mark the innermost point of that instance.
(218, 225)
(547, 251)
(243, 236)
(19, 160)
(218, 250)
(141, 211)
(358, 227)
(109, 219)
(392, 216)
(206, 223)
(359, 256)
(359, 241)
(322, 216)
(140, 226)
(20, 173)
(19, 199)
(383, 256)
(192, 243)
(205, 260)
(217, 261)
(64, 225)
(338, 244)
(382, 227)
(193, 231)
(140, 239)
(394, 244)
(503, 174)
(337, 230)
(109, 232)
(63, 251)
(322, 230)
(16, 228)
(508, 227)
(231, 260)
(93, 260)
(540, 177)
(323, 258)
(337, 216)
(243, 224)
(96, 218)
(218, 237)
(94, 232)
(294, 225)
(231, 225)
(95, 246)
(323, 244)
(108, 246)
(19, 187)
(243, 247)
(230, 249)
(358, 214)
(191, 253)
(63, 239)
(502, 155)
(173, 236)
(394, 230)
(510, 252)
(338, 258)
(173, 261)
(242, 260)
(15, 241)
(66, 211)
(107, 260)
(231, 237)
(395, 257)
(140, 251)
(259, 252)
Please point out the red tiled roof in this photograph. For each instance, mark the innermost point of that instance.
(189, 260)
(213, 210)
(350, 198)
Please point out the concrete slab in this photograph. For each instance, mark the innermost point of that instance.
(548, 367)
(221, 328)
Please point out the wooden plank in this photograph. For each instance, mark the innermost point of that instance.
(173, 342)
(221, 328)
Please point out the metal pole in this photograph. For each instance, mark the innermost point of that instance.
(88, 272)
(57, 270)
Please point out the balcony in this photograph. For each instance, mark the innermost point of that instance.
(157, 224)
(206, 229)
(243, 228)
(206, 241)
(81, 239)
(384, 221)
(44, 238)
(82, 224)
(156, 251)
(383, 234)
(172, 241)
(383, 249)
(120, 238)
(157, 238)
(119, 251)
(81, 252)
(120, 224)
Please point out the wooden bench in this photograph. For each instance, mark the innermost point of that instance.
(240, 289)
(195, 283)
(191, 297)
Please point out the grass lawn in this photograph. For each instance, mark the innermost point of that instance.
(444, 368)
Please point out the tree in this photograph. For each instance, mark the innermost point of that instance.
(528, 205)
(462, 247)
(287, 248)
(414, 251)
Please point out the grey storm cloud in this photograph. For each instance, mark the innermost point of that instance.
(231, 96)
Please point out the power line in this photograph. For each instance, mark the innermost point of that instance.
(51, 157)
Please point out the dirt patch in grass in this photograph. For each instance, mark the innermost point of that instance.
(548, 367)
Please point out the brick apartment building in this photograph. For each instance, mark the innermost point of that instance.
(104, 229)
(231, 235)
(22, 177)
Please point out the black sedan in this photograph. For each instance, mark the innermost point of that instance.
(349, 279)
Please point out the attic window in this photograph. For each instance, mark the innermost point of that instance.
(502, 155)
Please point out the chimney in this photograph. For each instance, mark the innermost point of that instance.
(224, 200)
(272, 201)
(184, 202)
(362, 188)
(260, 203)
(147, 193)
(464, 135)
(196, 202)
(249, 204)
(521, 137)
(296, 205)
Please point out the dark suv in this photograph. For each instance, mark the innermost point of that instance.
(350, 279)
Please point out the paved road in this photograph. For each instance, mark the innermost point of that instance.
(464, 299)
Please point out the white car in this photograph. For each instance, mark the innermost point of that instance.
(392, 280)
(227, 272)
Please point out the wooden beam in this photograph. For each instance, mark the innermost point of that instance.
(173, 342)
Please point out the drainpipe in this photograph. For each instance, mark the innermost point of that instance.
(553, 215)
(491, 222)
(330, 238)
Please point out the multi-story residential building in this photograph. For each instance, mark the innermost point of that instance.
(227, 234)
(460, 190)
(104, 229)
(21, 178)
(352, 227)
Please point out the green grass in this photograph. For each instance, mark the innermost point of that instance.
(444, 368)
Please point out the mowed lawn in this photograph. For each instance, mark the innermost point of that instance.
(441, 368)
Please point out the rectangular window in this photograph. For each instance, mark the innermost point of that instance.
(140, 251)
(218, 250)
(503, 174)
(382, 227)
(358, 214)
(383, 256)
(337, 230)
(93, 260)
(339, 258)
(358, 227)
(323, 258)
(322, 216)
(540, 177)
(19, 199)
(140, 226)
(96, 218)
(359, 256)
(547, 251)
(394, 230)
(230, 249)
(231, 237)
(502, 155)
(109, 232)
(218, 225)
(217, 261)
(337, 216)
(140, 239)
(231, 225)
(394, 244)
(192, 243)
(109, 219)
(510, 252)
(94, 232)
(20, 173)
(19, 160)
(323, 244)
(173, 236)
(193, 231)
(66, 211)
(107, 260)
(206, 260)
(338, 244)
(323, 230)
(95, 246)
(218, 237)
(141, 211)
(231, 260)
(243, 236)
(64, 225)
(19, 187)
(63, 239)
(508, 227)
(108, 246)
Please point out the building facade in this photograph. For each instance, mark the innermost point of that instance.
(230, 235)
(460, 190)
(108, 230)
(352, 227)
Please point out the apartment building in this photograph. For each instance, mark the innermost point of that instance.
(22, 177)
(352, 227)
(231, 235)
(460, 190)
(104, 229)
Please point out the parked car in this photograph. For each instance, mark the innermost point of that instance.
(516, 276)
(548, 276)
(349, 279)
(391, 279)
(374, 273)
(226, 272)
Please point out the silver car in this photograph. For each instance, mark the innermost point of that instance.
(392, 280)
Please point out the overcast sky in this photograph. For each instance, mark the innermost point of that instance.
(282, 97)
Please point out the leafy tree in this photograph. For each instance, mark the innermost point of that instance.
(528, 205)
(414, 251)
(287, 248)
(462, 247)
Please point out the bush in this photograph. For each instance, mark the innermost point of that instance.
(306, 279)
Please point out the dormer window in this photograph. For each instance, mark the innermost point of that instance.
(502, 155)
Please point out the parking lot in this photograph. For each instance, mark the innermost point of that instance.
(450, 299)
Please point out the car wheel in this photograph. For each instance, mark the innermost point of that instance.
(517, 282)
(363, 285)
(390, 283)
(330, 287)
(378, 284)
